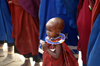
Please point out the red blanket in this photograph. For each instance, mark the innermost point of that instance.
(25, 30)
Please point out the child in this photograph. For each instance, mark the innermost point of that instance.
(63, 10)
(54, 48)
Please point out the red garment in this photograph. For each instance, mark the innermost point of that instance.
(69, 58)
(30, 6)
(95, 11)
(25, 30)
(79, 6)
(66, 58)
(84, 28)
(91, 3)
(48, 60)
(9, 3)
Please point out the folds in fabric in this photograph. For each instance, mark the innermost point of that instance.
(5, 22)
(84, 28)
(95, 11)
(25, 30)
(69, 58)
(93, 54)
(30, 6)
(71, 7)
(79, 7)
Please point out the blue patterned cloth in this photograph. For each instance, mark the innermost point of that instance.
(93, 53)
(5, 23)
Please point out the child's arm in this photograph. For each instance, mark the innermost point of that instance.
(55, 54)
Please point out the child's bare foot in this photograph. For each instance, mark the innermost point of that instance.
(26, 63)
(1, 53)
(7, 60)
(37, 64)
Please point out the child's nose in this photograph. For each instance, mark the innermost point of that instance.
(48, 32)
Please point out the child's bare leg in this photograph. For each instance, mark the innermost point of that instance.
(27, 62)
(9, 57)
(1, 49)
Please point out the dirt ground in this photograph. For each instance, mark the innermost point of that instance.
(19, 59)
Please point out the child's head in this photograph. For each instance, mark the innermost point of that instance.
(54, 26)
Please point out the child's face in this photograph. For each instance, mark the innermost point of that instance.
(51, 30)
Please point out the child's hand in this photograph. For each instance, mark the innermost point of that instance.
(44, 45)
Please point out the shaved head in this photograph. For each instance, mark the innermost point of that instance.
(57, 23)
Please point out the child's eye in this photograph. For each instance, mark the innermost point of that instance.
(50, 30)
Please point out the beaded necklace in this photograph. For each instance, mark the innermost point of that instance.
(61, 36)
